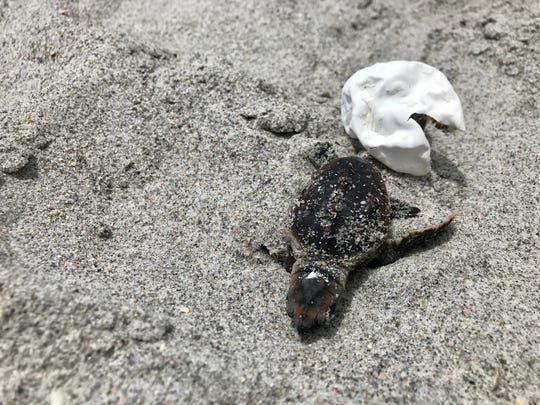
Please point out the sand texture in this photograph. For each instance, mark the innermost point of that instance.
(150, 151)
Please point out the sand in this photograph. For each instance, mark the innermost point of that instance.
(149, 155)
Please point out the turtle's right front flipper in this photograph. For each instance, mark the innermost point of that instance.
(395, 248)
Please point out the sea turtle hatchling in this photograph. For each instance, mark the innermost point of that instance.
(339, 221)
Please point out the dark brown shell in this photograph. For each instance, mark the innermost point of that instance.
(343, 212)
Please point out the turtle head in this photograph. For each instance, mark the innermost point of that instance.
(313, 290)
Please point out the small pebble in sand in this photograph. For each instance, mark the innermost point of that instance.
(58, 397)
(104, 232)
(522, 401)
(492, 31)
(184, 310)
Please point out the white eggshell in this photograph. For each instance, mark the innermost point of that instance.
(378, 101)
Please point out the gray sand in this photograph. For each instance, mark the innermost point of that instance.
(149, 153)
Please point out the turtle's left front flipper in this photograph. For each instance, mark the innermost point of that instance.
(395, 248)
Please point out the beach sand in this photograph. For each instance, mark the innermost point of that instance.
(149, 155)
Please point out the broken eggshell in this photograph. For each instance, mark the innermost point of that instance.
(377, 104)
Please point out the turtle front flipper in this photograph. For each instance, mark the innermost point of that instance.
(393, 249)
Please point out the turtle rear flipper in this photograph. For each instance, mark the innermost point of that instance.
(395, 248)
